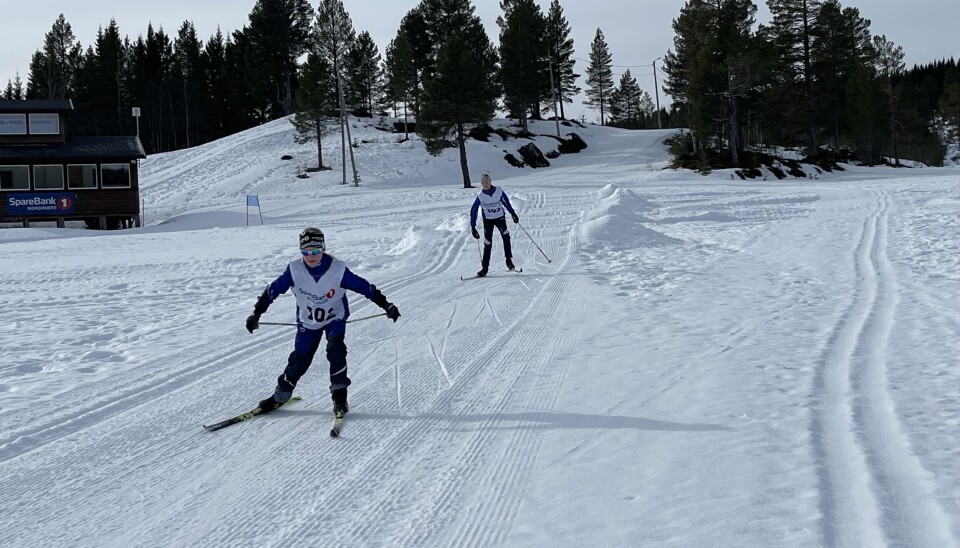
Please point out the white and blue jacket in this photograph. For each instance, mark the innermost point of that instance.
(493, 202)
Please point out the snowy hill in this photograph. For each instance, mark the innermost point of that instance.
(701, 362)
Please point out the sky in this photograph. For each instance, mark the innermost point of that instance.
(685, 360)
(637, 32)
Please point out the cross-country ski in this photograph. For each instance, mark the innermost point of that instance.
(256, 411)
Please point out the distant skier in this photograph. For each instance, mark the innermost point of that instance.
(318, 281)
(493, 201)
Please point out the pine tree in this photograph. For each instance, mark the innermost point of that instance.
(793, 28)
(414, 28)
(713, 70)
(522, 58)
(599, 76)
(365, 76)
(560, 49)
(278, 34)
(841, 42)
(889, 64)
(462, 89)
(950, 106)
(334, 37)
(401, 73)
(317, 104)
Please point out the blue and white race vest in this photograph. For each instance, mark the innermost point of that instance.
(491, 205)
(318, 302)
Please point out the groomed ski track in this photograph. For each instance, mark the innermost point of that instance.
(775, 392)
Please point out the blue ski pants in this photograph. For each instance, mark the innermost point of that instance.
(488, 226)
(305, 347)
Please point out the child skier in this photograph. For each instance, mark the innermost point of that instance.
(493, 200)
(318, 281)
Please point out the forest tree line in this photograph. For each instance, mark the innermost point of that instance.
(814, 78)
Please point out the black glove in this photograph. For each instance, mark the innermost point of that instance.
(253, 322)
(392, 312)
(380, 300)
(515, 218)
(476, 235)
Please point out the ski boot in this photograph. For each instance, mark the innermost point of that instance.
(340, 407)
(510, 265)
(269, 405)
(482, 272)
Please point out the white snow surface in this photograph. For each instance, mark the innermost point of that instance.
(702, 361)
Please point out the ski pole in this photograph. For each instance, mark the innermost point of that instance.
(534, 243)
(348, 321)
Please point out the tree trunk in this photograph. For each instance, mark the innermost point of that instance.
(319, 124)
(733, 140)
(461, 144)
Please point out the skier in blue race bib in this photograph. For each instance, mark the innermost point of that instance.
(494, 202)
(318, 281)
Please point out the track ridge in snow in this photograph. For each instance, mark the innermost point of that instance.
(869, 496)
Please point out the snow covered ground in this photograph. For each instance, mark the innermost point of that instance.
(703, 362)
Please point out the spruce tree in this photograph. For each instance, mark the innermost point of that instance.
(626, 103)
(560, 50)
(218, 88)
(462, 90)
(188, 79)
(599, 76)
(52, 69)
(278, 34)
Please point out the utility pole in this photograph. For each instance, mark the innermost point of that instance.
(553, 92)
(349, 144)
(656, 90)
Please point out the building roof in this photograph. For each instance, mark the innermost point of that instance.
(36, 105)
(76, 148)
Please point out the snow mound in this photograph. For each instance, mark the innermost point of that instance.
(454, 224)
(409, 241)
(618, 221)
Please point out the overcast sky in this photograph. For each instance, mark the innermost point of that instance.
(637, 31)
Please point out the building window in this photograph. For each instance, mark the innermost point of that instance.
(115, 175)
(13, 124)
(48, 177)
(14, 178)
(45, 124)
(82, 176)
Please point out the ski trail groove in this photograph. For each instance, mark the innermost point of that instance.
(873, 490)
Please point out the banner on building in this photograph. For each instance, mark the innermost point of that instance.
(40, 203)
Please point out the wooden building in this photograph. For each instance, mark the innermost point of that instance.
(47, 176)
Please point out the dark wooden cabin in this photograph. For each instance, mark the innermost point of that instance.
(47, 176)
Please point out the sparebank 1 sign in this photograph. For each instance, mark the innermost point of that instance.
(41, 203)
